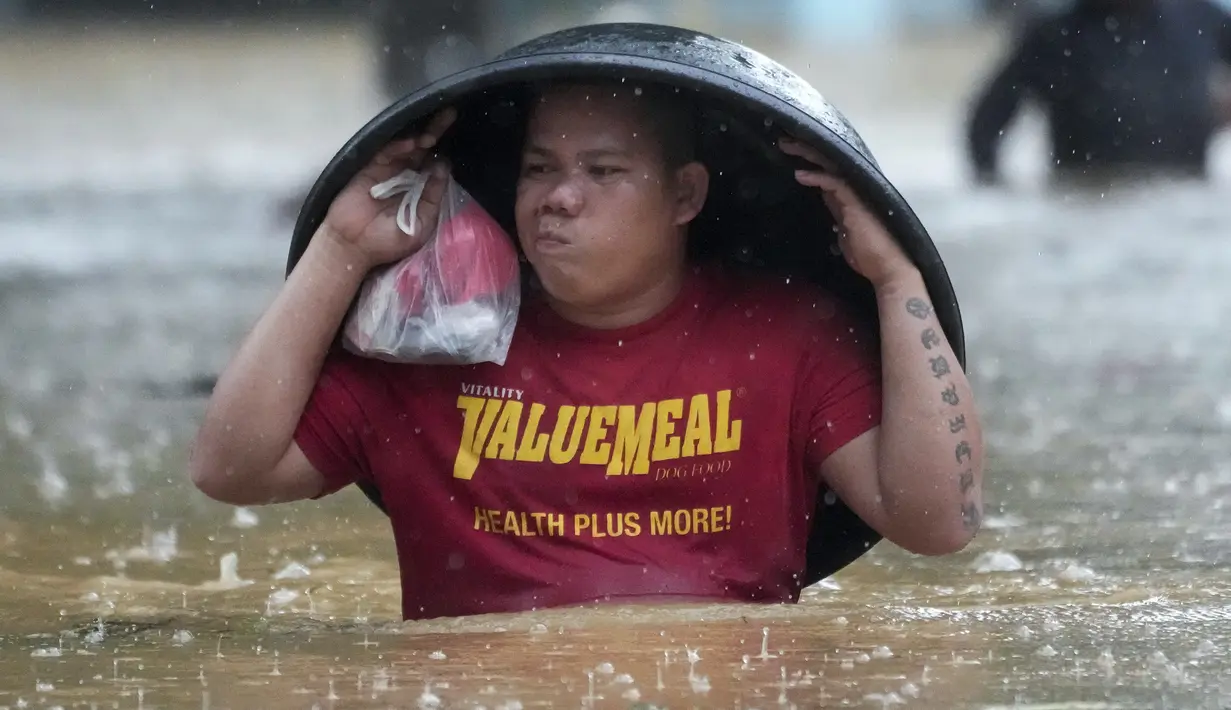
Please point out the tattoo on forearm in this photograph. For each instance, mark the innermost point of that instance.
(972, 513)
(918, 308)
(963, 452)
(972, 517)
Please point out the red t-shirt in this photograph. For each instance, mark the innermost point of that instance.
(672, 459)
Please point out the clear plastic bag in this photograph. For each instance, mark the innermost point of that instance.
(454, 301)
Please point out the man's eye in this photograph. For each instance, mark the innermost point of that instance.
(534, 169)
(605, 170)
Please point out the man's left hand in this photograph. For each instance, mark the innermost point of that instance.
(863, 238)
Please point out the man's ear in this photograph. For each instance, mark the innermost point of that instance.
(692, 186)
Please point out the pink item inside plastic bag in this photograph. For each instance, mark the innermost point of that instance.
(474, 259)
(455, 301)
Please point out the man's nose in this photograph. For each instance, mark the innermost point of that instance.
(564, 197)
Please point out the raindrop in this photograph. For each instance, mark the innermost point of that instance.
(1175, 675)
(1107, 662)
(228, 573)
(97, 634)
(997, 561)
(1077, 573)
(244, 519)
(699, 684)
(1205, 648)
(52, 485)
(428, 699)
(294, 570)
(590, 692)
(279, 599)
(765, 654)
(886, 700)
(19, 426)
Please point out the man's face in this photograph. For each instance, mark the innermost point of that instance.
(599, 215)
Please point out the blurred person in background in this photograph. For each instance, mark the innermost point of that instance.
(417, 43)
(1128, 87)
(423, 41)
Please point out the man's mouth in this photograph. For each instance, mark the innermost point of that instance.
(551, 234)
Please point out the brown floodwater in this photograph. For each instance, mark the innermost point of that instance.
(139, 240)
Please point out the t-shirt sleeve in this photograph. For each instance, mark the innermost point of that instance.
(332, 430)
(838, 396)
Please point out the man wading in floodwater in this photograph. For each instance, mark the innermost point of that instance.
(660, 428)
(1130, 88)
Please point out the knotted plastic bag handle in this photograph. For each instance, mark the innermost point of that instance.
(412, 183)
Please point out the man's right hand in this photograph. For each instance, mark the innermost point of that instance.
(367, 228)
(245, 452)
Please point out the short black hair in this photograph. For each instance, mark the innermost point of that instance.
(670, 112)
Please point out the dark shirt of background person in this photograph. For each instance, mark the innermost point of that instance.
(1124, 84)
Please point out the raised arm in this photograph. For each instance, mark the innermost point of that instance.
(917, 478)
(245, 452)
